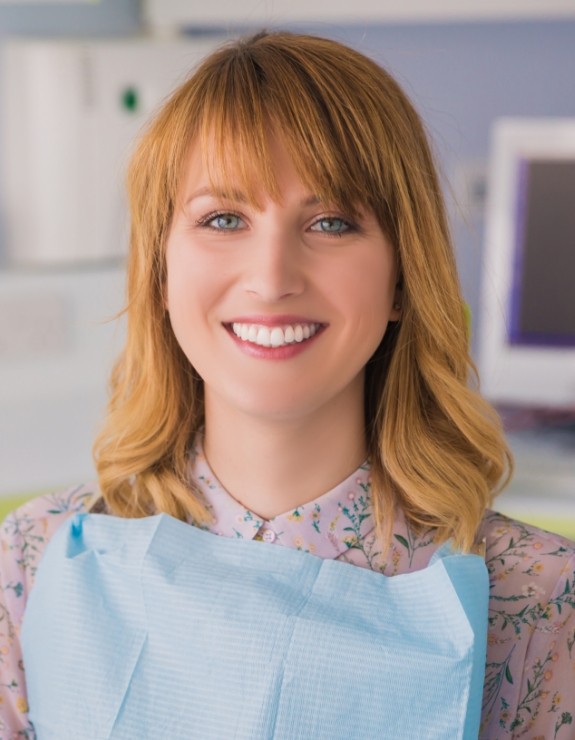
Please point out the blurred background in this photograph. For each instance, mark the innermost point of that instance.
(495, 84)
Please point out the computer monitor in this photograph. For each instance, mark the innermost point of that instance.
(527, 315)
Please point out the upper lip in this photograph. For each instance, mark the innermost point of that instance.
(279, 320)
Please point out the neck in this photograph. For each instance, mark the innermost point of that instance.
(274, 466)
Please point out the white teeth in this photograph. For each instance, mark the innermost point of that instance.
(263, 337)
(275, 336)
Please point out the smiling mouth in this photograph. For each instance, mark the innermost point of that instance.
(274, 336)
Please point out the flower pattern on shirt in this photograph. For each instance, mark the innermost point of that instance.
(529, 689)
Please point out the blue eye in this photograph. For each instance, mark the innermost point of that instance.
(331, 225)
(223, 222)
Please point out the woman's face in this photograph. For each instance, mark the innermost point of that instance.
(277, 309)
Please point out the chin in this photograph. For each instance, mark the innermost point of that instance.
(271, 404)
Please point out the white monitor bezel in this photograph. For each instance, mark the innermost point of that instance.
(535, 376)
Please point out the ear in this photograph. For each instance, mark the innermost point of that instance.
(396, 307)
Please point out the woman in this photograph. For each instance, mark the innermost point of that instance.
(295, 380)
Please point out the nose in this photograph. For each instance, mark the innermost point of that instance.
(276, 269)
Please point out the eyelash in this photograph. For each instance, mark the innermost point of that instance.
(205, 221)
(349, 226)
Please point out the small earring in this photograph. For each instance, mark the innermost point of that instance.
(396, 306)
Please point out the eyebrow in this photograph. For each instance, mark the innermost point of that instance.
(239, 197)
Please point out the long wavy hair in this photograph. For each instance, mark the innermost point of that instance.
(435, 446)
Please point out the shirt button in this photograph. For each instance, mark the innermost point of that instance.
(268, 535)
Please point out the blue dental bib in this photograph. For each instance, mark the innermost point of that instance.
(152, 628)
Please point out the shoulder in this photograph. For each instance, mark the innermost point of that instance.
(519, 544)
(530, 657)
(524, 551)
(25, 532)
(532, 573)
(24, 535)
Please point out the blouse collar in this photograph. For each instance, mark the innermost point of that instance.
(328, 526)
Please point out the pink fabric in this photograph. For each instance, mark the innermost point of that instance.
(530, 672)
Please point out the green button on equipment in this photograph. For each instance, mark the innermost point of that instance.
(130, 99)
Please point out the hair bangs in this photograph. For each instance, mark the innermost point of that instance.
(251, 96)
(234, 131)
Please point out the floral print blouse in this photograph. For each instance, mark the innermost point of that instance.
(529, 687)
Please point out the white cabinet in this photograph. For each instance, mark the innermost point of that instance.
(71, 110)
(57, 346)
(254, 13)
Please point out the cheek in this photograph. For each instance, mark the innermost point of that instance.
(182, 296)
(185, 276)
(196, 285)
(374, 296)
(186, 304)
(367, 290)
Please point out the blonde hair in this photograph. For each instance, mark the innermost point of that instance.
(435, 447)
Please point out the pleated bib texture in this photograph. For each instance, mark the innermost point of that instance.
(152, 628)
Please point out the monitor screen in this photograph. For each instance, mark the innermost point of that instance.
(543, 288)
